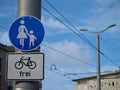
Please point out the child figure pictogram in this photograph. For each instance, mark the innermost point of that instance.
(32, 38)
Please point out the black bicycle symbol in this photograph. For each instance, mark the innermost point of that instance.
(29, 63)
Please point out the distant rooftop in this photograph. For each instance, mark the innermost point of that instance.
(105, 74)
(7, 48)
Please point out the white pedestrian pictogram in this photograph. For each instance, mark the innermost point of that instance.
(23, 34)
(32, 38)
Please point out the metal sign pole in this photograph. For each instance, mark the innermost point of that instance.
(28, 7)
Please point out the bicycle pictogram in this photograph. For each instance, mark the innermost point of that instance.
(25, 62)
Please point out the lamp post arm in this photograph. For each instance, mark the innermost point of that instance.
(84, 29)
(107, 28)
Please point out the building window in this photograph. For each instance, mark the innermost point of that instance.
(117, 83)
(94, 86)
(112, 83)
(90, 87)
(78, 82)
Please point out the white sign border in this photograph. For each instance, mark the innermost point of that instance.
(31, 17)
(6, 71)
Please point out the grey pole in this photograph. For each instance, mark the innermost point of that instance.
(98, 62)
(28, 7)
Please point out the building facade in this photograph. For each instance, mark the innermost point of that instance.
(4, 85)
(109, 81)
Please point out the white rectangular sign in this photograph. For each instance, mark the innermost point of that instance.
(25, 66)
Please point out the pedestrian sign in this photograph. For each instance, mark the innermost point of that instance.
(26, 33)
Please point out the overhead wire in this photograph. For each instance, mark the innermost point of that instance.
(65, 53)
(3, 27)
(74, 33)
(67, 75)
(59, 72)
(77, 59)
(68, 55)
(104, 72)
(77, 34)
(80, 34)
(111, 50)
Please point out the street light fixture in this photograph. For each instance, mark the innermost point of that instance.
(110, 26)
(98, 52)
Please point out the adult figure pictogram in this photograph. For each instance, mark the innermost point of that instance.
(22, 30)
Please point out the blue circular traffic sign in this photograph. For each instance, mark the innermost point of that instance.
(26, 33)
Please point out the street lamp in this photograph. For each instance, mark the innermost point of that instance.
(98, 52)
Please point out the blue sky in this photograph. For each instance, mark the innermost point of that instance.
(77, 56)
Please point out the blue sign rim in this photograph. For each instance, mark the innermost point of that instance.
(28, 16)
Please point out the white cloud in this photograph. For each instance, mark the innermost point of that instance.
(109, 68)
(77, 54)
(105, 3)
(4, 38)
(2, 15)
(52, 25)
(99, 18)
(56, 82)
(6, 12)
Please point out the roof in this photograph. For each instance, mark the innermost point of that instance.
(106, 74)
(7, 48)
